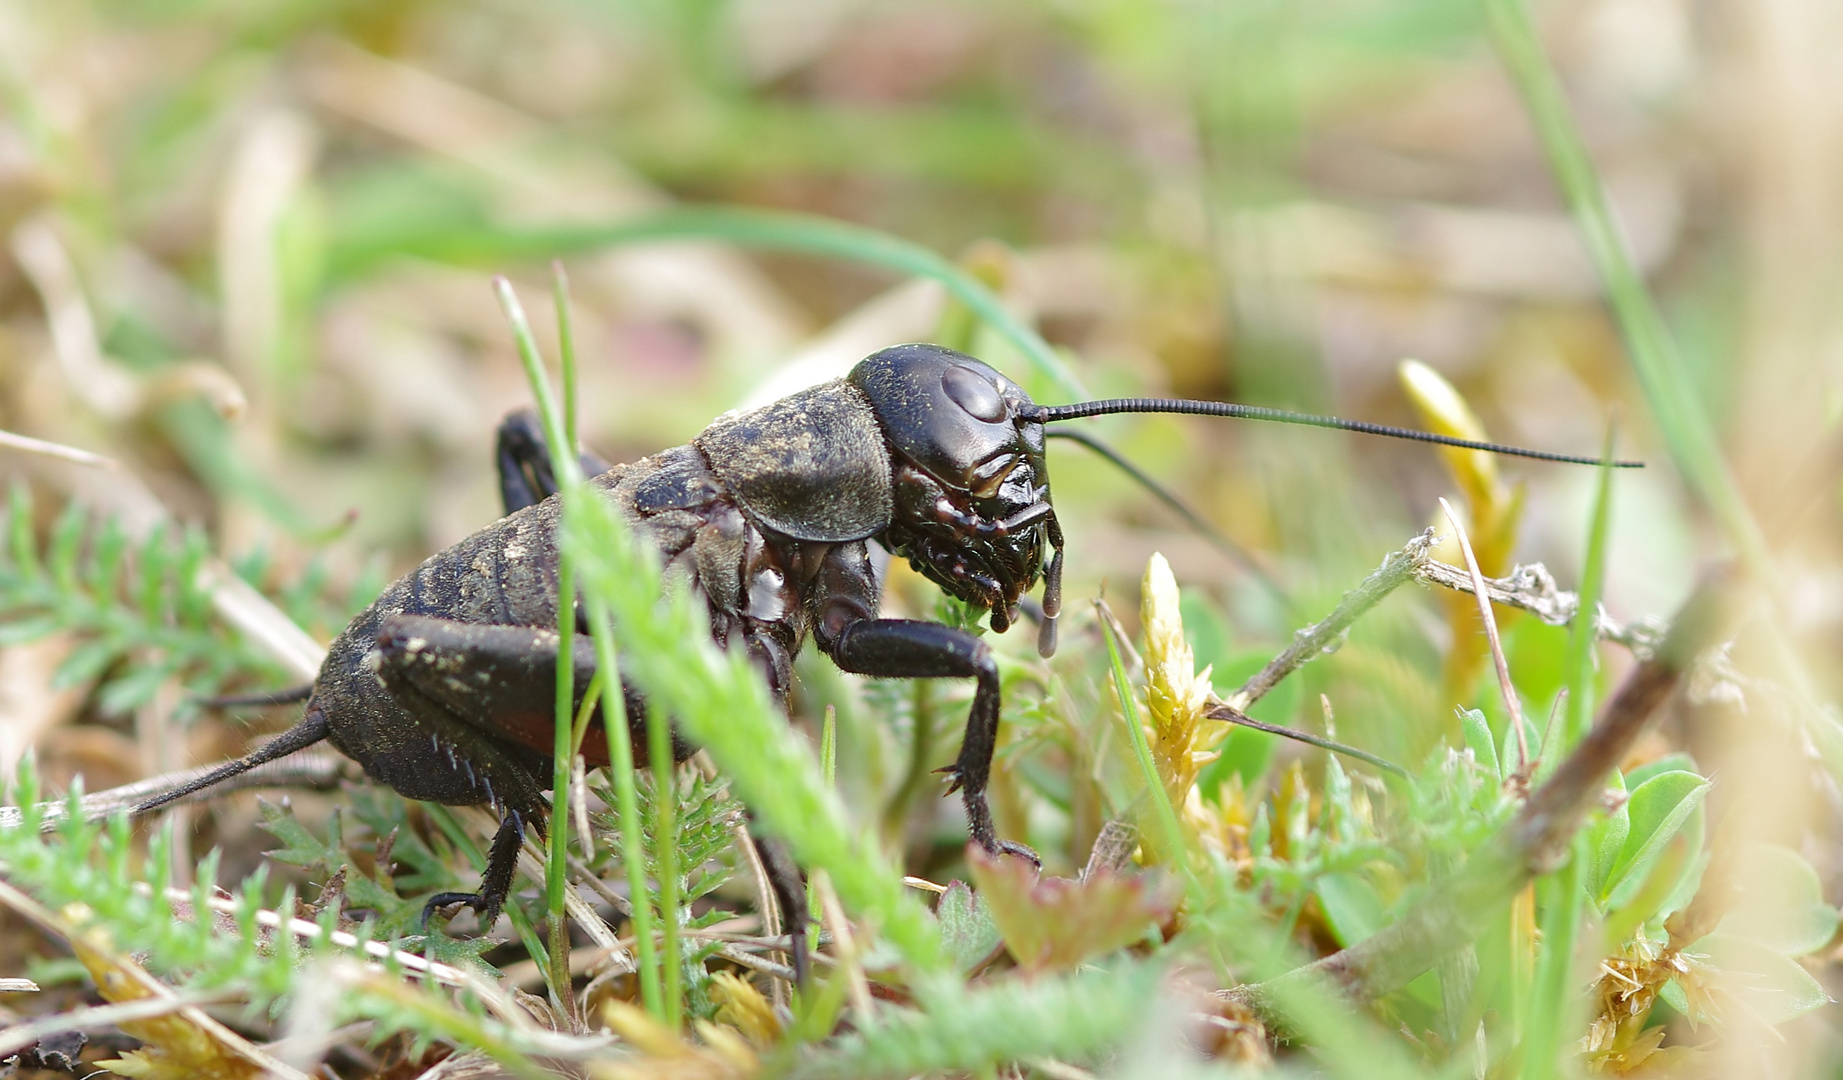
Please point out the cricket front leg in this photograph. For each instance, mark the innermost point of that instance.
(907, 649)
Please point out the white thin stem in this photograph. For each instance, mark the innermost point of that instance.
(1511, 703)
(15, 441)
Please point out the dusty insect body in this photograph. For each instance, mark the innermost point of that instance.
(444, 689)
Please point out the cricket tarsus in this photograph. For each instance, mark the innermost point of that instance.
(495, 882)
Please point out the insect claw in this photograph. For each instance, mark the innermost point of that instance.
(954, 778)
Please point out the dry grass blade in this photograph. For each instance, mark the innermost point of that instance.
(844, 945)
(19, 1036)
(1512, 704)
(29, 445)
(126, 981)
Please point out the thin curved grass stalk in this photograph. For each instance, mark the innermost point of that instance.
(766, 229)
(568, 472)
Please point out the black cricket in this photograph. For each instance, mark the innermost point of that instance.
(444, 689)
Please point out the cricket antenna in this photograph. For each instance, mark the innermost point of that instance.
(1049, 414)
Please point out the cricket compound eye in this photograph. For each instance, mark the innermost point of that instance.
(975, 393)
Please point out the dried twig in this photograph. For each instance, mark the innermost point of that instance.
(27, 444)
(151, 987)
(1235, 716)
(1326, 635)
(1113, 848)
(20, 1036)
(1533, 843)
(1532, 588)
(308, 931)
(844, 945)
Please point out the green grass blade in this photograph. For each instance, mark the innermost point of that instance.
(1578, 665)
(1649, 344)
(1155, 788)
(1554, 1001)
(771, 230)
(665, 848)
(562, 778)
(568, 473)
(566, 354)
(564, 746)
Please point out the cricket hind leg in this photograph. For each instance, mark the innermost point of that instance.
(525, 474)
(436, 755)
(502, 681)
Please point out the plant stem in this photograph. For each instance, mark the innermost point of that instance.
(1155, 787)
(665, 853)
(1554, 1000)
(1649, 344)
(1398, 567)
(568, 473)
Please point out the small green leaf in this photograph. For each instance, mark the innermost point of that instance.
(1351, 906)
(1781, 902)
(1673, 995)
(1605, 840)
(1774, 987)
(967, 928)
(1537, 653)
(1677, 762)
(84, 664)
(26, 630)
(1657, 808)
(134, 689)
(1689, 880)
(1479, 741)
